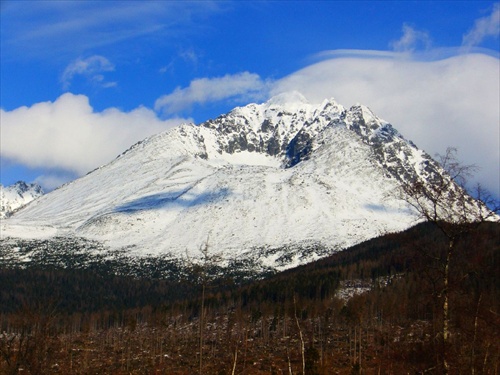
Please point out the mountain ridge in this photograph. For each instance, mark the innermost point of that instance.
(279, 184)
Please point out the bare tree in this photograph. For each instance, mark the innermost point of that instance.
(203, 271)
(302, 346)
(442, 199)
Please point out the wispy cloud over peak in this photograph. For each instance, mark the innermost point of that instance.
(411, 40)
(92, 68)
(484, 27)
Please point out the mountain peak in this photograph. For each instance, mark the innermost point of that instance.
(270, 185)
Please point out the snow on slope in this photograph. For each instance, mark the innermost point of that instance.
(281, 183)
(15, 196)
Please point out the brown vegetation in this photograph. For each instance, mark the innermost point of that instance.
(291, 323)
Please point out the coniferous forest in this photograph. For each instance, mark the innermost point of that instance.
(376, 308)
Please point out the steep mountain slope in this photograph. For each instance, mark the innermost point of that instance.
(18, 195)
(277, 184)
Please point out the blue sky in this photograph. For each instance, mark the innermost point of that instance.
(81, 80)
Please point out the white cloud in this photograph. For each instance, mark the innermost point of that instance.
(484, 27)
(68, 135)
(411, 40)
(241, 87)
(440, 103)
(91, 67)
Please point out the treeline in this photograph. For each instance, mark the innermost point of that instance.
(82, 322)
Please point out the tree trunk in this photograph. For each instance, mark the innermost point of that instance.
(201, 326)
(302, 347)
(235, 360)
(473, 354)
(446, 308)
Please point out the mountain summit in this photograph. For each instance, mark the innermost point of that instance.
(275, 184)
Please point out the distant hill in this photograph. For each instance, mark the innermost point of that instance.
(16, 196)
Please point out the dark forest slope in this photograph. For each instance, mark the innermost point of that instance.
(93, 321)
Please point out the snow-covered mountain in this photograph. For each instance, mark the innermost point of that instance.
(16, 196)
(278, 184)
